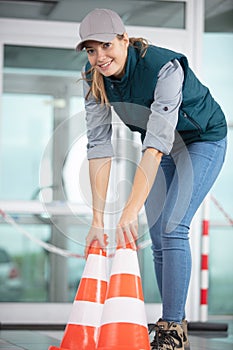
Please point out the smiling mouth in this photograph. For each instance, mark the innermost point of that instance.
(105, 65)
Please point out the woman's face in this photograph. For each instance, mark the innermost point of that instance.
(108, 58)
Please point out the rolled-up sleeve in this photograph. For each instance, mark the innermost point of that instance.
(160, 132)
(99, 127)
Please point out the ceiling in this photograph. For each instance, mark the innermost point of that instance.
(218, 13)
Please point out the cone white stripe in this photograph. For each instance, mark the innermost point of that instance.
(99, 270)
(125, 261)
(123, 309)
(86, 313)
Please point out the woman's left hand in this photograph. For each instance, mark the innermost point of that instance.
(127, 229)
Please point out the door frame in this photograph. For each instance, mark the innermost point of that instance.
(64, 35)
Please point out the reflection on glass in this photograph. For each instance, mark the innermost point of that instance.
(11, 285)
(164, 14)
(23, 264)
(141, 13)
(220, 276)
(26, 126)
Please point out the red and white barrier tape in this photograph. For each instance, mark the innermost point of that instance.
(47, 246)
(50, 247)
(227, 216)
(142, 245)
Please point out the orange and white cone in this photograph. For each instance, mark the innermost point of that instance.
(82, 329)
(123, 322)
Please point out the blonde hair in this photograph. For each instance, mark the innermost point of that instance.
(97, 88)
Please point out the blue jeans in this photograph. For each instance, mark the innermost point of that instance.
(183, 180)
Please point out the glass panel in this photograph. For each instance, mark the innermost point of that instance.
(23, 275)
(221, 205)
(221, 239)
(168, 14)
(221, 278)
(25, 266)
(27, 123)
(40, 93)
(43, 60)
(164, 14)
(77, 153)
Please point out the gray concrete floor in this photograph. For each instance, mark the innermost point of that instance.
(42, 339)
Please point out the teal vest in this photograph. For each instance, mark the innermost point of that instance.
(200, 117)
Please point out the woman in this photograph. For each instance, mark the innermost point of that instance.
(183, 132)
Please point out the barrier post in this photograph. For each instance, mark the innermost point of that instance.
(204, 280)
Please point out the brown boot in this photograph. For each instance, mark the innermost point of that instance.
(168, 336)
(185, 329)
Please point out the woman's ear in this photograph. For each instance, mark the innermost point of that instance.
(126, 39)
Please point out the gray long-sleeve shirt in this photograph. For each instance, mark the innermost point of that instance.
(160, 131)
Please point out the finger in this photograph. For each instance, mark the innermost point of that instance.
(130, 238)
(87, 246)
(134, 231)
(86, 251)
(120, 237)
(101, 240)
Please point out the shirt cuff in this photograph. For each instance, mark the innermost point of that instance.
(100, 151)
(152, 141)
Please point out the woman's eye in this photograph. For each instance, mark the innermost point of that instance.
(106, 45)
(90, 51)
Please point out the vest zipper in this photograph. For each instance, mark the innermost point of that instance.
(192, 121)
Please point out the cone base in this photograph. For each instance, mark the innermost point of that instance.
(56, 348)
(120, 348)
(123, 336)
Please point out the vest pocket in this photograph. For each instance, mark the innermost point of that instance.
(187, 123)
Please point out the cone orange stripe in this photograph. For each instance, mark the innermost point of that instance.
(125, 285)
(116, 336)
(117, 348)
(95, 247)
(94, 289)
(77, 337)
(96, 251)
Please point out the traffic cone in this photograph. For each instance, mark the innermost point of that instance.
(123, 322)
(82, 329)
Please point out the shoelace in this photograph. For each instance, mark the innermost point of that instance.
(164, 337)
(153, 327)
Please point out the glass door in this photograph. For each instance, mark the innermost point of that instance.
(37, 98)
(41, 94)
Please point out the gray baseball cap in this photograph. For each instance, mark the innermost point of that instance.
(100, 25)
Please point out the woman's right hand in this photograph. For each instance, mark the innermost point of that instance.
(93, 234)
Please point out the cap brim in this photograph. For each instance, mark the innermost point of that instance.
(103, 38)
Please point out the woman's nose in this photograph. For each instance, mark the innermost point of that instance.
(101, 55)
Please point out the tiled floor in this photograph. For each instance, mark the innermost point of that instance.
(41, 340)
